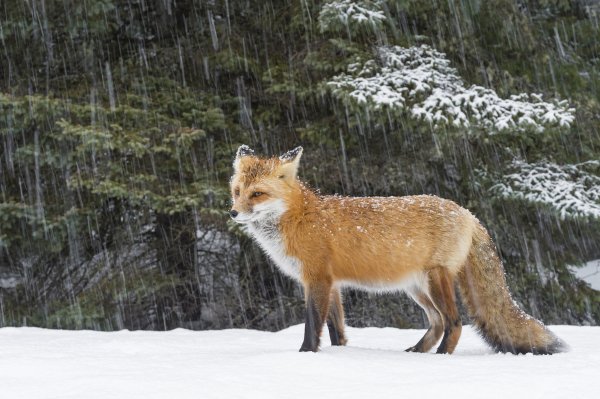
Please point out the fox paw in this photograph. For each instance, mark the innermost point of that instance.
(414, 349)
(308, 349)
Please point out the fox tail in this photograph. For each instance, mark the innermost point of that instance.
(497, 317)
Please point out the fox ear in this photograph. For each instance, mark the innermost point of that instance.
(290, 162)
(242, 151)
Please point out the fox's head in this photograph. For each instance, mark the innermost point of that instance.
(261, 187)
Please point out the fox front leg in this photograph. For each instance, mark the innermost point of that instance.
(335, 321)
(317, 305)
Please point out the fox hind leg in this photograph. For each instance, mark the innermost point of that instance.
(436, 324)
(335, 321)
(442, 295)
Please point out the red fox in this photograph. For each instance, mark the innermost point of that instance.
(420, 244)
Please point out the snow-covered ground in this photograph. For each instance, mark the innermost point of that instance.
(38, 363)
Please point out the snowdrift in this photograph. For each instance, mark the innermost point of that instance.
(38, 363)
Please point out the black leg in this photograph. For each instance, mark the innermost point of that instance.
(317, 305)
(335, 321)
(312, 327)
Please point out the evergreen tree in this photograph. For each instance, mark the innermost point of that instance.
(119, 120)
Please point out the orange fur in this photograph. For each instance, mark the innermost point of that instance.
(416, 243)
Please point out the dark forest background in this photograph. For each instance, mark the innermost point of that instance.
(119, 120)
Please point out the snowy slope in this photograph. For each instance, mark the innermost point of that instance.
(38, 363)
(590, 273)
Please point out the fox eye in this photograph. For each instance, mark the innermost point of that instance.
(237, 192)
(256, 194)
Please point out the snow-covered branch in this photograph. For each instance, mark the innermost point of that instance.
(420, 81)
(568, 189)
(345, 15)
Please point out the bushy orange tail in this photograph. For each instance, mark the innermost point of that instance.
(498, 318)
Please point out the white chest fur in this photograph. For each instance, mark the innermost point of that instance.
(269, 238)
(264, 229)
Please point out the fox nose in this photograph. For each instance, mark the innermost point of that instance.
(233, 213)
